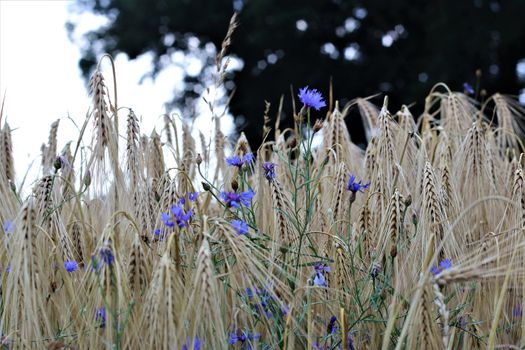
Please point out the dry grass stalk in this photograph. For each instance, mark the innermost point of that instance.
(100, 113)
(284, 235)
(132, 147)
(369, 114)
(433, 209)
(6, 156)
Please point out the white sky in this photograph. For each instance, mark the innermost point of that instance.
(40, 77)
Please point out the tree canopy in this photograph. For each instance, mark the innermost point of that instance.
(400, 48)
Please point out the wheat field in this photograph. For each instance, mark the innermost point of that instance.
(308, 242)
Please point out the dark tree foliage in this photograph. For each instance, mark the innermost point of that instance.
(431, 41)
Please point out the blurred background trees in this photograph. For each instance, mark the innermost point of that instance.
(400, 48)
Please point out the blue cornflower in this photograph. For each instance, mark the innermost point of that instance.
(285, 309)
(354, 186)
(8, 227)
(330, 329)
(269, 170)
(157, 232)
(238, 161)
(182, 218)
(166, 218)
(192, 196)
(311, 98)
(469, 90)
(350, 342)
(106, 254)
(318, 267)
(264, 300)
(517, 312)
(444, 264)
(234, 199)
(235, 338)
(8, 268)
(434, 270)
(70, 265)
(196, 344)
(319, 278)
(240, 227)
(100, 316)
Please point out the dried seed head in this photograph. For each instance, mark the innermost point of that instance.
(408, 200)
(58, 163)
(235, 185)
(87, 178)
(318, 125)
(298, 118)
(393, 252)
(414, 218)
(199, 159)
(292, 142)
(242, 146)
(352, 197)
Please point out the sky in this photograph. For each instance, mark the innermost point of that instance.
(41, 80)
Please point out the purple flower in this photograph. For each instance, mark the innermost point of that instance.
(240, 227)
(319, 277)
(469, 90)
(8, 268)
(318, 267)
(285, 309)
(269, 170)
(238, 161)
(320, 280)
(182, 218)
(354, 186)
(234, 199)
(8, 227)
(261, 301)
(444, 264)
(517, 312)
(248, 158)
(331, 325)
(235, 338)
(100, 316)
(435, 270)
(192, 196)
(70, 265)
(106, 254)
(311, 98)
(196, 344)
(157, 232)
(166, 218)
(350, 342)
